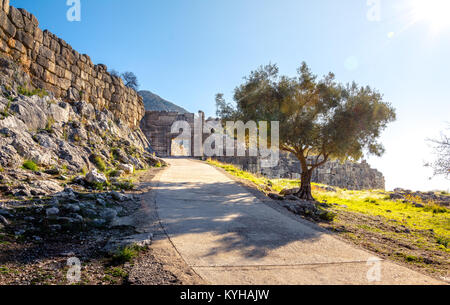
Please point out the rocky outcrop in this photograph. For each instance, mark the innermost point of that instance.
(45, 141)
(419, 199)
(52, 64)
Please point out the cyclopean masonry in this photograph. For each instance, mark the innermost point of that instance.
(53, 65)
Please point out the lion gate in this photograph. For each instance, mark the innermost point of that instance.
(157, 127)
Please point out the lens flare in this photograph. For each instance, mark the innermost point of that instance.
(434, 12)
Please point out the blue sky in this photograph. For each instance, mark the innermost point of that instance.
(189, 50)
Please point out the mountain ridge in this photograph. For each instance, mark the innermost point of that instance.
(153, 102)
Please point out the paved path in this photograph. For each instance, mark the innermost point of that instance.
(228, 236)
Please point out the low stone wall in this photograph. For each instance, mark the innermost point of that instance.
(350, 175)
(54, 66)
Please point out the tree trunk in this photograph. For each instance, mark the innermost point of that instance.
(305, 188)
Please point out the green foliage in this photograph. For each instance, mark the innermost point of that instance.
(375, 203)
(126, 254)
(126, 185)
(99, 163)
(49, 124)
(115, 151)
(320, 118)
(84, 171)
(371, 203)
(99, 186)
(435, 208)
(327, 215)
(39, 92)
(30, 165)
(5, 112)
(260, 182)
(117, 272)
(442, 240)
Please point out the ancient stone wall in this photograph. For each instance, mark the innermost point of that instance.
(349, 175)
(54, 66)
(355, 176)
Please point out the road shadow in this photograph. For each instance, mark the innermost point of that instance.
(241, 222)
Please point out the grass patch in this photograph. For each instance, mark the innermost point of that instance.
(126, 254)
(375, 203)
(5, 111)
(126, 185)
(443, 241)
(116, 272)
(99, 186)
(99, 163)
(4, 270)
(435, 208)
(30, 165)
(327, 215)
(39, 92)
(370, 202)
(115, 152)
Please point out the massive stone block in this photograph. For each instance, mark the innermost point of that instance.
(5, 6)
(53, 65)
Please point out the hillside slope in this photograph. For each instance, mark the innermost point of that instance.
(153, 102)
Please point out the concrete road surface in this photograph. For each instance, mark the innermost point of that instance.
(228, 236)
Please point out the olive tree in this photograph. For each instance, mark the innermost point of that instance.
(320, 119)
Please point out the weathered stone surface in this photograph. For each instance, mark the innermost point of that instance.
(52, 211)
(5, 5)
(95, 177)
(127, 168)
(16, 17)
(157, 127)
(53, 65)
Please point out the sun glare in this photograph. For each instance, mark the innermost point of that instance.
(434, 12)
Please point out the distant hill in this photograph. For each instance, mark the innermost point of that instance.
(154, 102)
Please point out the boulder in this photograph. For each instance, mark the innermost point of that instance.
(118, 196)
(127, 168)
(3, 220)
(291, 197)
(287, 192)
(95, 177)
(275, 196)
(52, 211)
(108, 214)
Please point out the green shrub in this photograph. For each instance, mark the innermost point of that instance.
(30, 165)
(126, 185)
(126, 254)
(5, 112)
(99, 186)
(84, 171)
(39, 92)
(117, 272)
(99, 163)
(115, 153)
(49, 124)
(435, 208)
(327, 216)
(443, 241)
